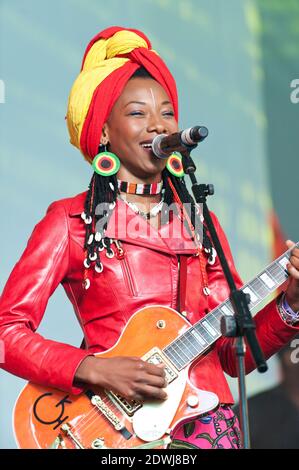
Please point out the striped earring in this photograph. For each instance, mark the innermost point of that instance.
(106, 163)
(174, 165)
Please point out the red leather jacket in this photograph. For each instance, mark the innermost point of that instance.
(147, 275)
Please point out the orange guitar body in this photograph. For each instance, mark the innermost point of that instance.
(50, 418)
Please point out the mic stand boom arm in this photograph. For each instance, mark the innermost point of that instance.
(243, 324)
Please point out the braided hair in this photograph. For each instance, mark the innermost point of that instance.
(101, 200)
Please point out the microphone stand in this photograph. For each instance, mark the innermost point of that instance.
(241, 325)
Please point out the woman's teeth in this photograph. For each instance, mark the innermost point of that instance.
(146, 146)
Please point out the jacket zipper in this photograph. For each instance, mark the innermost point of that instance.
(122, 256)
(178, 288)
(178, 309)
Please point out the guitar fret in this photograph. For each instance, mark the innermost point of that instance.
(191, 340)
(203, 332)
(212, 332)
(268, 282)
(253, 298)
(271, 276)
(200, 339)
(181, 349)
(178, 353)
(217, 314)
(169, 351)
(226, 310)
(214, 319)
(259, 288)
(283, 264)
(262, 288)
(277, 272)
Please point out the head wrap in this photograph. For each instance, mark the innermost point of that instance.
(110, 59)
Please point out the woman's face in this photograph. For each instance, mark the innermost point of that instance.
(143, 111)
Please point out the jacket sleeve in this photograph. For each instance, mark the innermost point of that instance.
(271, 331)
(36, 275)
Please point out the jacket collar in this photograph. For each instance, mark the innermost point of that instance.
(125, 225)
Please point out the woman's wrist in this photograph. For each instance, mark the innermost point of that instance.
(290, 304)
(288, 311)
(84, 373)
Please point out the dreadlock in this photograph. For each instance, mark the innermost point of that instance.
(186, 199)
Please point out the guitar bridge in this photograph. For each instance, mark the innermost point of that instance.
(128, 406)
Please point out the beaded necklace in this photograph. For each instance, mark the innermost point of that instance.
(140, 188)
(146, 215)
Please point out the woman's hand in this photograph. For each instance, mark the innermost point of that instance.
(131, 377)
(292, 292)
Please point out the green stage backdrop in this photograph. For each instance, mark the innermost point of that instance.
(234, 61)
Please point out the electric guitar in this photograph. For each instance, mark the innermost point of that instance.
(99, 419)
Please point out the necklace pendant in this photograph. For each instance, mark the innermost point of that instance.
(146, 215)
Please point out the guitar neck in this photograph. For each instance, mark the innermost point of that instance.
(203, 334)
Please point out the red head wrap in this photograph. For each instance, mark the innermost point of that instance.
(110, 59)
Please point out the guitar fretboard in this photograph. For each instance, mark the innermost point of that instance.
(200, 337)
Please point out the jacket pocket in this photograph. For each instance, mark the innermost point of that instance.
(127, 273)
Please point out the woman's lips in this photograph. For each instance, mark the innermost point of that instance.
(147, 149)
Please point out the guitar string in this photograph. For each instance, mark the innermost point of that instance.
(83, 428)
(91, 417)
(86, 423)
(87, 419)
(89, 434)
(95, 412)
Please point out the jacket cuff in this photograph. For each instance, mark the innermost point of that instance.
(292, 328)
(276, 333)
(77, 389)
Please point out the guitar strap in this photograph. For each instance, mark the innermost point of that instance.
(182, 283)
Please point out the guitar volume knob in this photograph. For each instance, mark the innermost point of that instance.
(192, 401)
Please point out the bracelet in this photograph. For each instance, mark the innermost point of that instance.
(287, 314)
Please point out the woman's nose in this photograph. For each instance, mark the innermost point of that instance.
(156, 124)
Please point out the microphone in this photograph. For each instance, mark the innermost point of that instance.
(163, 145)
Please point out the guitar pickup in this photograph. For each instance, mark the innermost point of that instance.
(156, 357)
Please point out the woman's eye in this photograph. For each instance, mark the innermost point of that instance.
(136, 113)
(168, 113)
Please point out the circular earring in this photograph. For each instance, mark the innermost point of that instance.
(106, 163)
(174, 165)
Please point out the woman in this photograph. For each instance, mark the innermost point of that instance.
(123, 98)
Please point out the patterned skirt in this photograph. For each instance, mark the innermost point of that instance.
(217, 429)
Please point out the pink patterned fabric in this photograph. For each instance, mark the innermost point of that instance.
(214, 430)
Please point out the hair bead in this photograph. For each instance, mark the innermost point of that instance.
(93, 257)
(90, 240)
(98, 268)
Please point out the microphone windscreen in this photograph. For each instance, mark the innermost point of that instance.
(156, 147)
